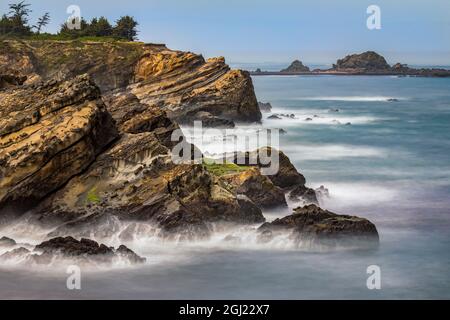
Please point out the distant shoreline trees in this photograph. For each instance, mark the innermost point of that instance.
(16, 24)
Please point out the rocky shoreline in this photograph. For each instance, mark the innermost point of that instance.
(368, 63)
(86, 140)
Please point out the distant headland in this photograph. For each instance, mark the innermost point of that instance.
(366, 63)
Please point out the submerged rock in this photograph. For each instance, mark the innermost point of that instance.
(265, 106)
(312, 226)
(303, 194)
(7, 242)
(84, 250)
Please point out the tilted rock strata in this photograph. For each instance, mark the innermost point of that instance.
(49, 132)
(182, 83)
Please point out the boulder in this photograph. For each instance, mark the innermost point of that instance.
(257, 187)
(312, 226)
(295, 67)
(265, 106)
(84, 250)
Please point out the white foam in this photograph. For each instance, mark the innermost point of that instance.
(332, 152)
(348, 98)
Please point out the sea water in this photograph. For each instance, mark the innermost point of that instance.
(388, 161)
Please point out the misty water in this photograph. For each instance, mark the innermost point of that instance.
(391, 164)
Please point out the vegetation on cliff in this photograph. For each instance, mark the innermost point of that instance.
(15, 24)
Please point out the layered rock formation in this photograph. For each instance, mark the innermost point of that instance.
(182, 83)
(82, 160)
(49, 132)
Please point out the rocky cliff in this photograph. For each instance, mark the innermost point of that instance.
(182, 83)
(77, 157)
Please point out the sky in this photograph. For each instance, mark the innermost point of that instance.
(416, 32)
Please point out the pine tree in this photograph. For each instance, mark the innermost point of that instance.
(42, 22)
(126, 28)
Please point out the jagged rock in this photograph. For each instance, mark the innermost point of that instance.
(182, 83)
(265, 106)
(69, 246)
(304, 194)
(274, 116)
(132, 116)
(258, 188)
(210, 121)
(285, 177)
(296, 66)
(84, 250)
(49, 132)
(368, 61)
(7, 242)
(312, 225)
(322, 193)
(136, 179)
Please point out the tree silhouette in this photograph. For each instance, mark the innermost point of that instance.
(42, 22)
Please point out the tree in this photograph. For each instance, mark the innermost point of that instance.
(126, 28)
(104, 28)
(42, 22)
(19, 13)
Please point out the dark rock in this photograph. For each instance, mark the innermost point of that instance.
(210, 121)
(304, 194)
(274, 116)
(5, 241)
(296, 66)
(308, 119)
(312, 225)
(265, 106)
(69, 247)
(368, 61)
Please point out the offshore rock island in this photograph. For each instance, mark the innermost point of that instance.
(85, 143)
(366, 63)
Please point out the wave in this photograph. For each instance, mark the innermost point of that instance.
(349, 98)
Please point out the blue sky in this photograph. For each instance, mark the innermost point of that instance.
(314, 31)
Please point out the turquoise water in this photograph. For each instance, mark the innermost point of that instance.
(391, 165)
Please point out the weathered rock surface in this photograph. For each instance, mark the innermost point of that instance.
(295, 67)
(311, 225)
(182, 83)
(365, 62)
(84, 250)
(49, 132)
(303, 194)
(257, 187)
(136, 179)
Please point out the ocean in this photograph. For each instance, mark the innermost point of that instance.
(388, 161)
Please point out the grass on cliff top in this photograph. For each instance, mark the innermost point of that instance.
(57, 37)
(220, 169)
